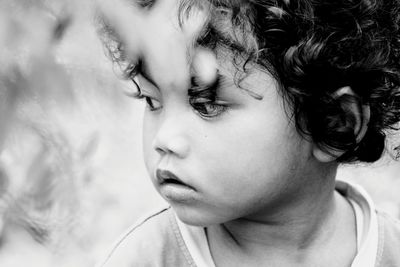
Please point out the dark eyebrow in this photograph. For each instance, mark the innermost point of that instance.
(211, 37)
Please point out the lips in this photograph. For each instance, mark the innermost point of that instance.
(173, 189)
(167, 177)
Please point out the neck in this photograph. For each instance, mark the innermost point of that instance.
(296, 230)
(305, 226)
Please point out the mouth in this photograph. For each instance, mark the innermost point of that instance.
(173, 189)
(167, 177)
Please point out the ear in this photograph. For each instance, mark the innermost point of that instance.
(356, 113)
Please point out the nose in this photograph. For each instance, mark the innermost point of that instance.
(172, 138)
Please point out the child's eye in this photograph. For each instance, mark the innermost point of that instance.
(204, 99)
(134, 89)
(209, 109)
(152, 104)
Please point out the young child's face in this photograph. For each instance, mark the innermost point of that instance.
(223, 159)
(239, 156)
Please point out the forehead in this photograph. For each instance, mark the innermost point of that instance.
(255, 83)
(245, 75)
(191, 26)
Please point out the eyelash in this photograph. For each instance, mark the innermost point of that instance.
(150, 103)
(209, 109)
(204, 99)
(205, 107)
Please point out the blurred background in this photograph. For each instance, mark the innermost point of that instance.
(72, 176)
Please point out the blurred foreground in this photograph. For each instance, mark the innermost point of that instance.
(71, 173)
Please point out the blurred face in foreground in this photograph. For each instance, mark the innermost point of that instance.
(223, 152)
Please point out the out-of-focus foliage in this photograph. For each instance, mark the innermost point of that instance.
(69, 142)
(71, 171)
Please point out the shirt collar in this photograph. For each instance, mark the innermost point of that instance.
(366, 219)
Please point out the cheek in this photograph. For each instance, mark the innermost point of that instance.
(252, 153)
(249, 143)
(247, 178)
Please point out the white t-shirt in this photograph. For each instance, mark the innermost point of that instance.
(366, 224)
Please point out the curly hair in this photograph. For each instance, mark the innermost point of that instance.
(313, 48)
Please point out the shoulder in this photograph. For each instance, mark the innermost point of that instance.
(389, 241)
(154, 241)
